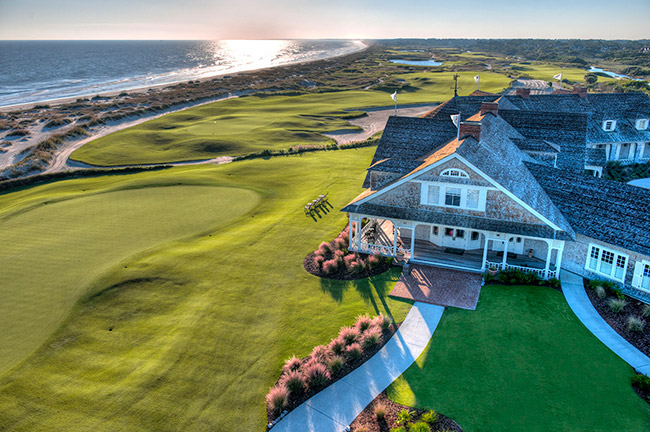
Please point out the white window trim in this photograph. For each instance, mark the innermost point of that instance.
(642, 124)
(442, 192)
(616, 256)
(448, 171)
(613, 125)
(637, 277)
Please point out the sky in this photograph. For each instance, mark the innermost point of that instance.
(309, 19)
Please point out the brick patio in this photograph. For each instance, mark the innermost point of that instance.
(439, 286)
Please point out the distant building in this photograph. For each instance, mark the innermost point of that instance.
(511, 193)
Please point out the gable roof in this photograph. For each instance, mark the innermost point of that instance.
(609, 211)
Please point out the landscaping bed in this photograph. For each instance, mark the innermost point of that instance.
(382, 415)
(518, 277)
(302, 378)
(333, 260)
(619, 321)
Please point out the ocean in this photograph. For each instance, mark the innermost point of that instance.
(41, 71)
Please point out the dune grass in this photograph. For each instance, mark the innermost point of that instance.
(249, 124)
(522, 362)
(190, 334)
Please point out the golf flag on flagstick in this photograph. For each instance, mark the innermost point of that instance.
(558, 77)
(394, 96)
(477, 78)
(455, 118)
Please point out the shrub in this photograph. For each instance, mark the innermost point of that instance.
(430, 417)
(370, 338)
(373, 261)
(382, 321)
(398, 429)
(330, 266)
(340, 243)
(277, 398)
(319, 260)
(616, 305)
(554, 283)
(349, 260)
(600, 291)
(356, 267)
(335, 364)
(353, 351)
(531, 278)
(635, 324)
(291, 364)
(617, 292)
(349, 335)
(294, 382)
(646, 311)
(316, 375)
(641, 381)
(419, 427)
(337, 346)
(320, 353)
(339, 254)
(380, 412)
(324, 248)
(363, 323)
(404, 416)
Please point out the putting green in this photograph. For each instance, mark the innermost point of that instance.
(54, 249)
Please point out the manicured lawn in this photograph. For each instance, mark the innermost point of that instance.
(250, 124)
(522, 362)
(184, 334)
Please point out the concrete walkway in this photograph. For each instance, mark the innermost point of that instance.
(575, 295)
(334, 408)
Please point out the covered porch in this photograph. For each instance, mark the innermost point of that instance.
(455, 247)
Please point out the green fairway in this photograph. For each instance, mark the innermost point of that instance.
(183, 335)
(249, 124)
(522, 362)
(62, 244)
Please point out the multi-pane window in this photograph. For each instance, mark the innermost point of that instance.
(434, 194)
(472, 198)
(642, 124)
(607, 262)
(645, 277)
(452, 172)
(609, 125)
(452, 197)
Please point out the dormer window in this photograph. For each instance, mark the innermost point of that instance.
(642, 124)
(453, 172)
(609, 125)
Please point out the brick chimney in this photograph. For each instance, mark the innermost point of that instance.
(490, 107)
(524, 93)
(580, 91)
(470, 128)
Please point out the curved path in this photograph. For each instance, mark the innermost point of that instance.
(334, 408)
(574, 292)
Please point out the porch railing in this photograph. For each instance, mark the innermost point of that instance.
(540, 272)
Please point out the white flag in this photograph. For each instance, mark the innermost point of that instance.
(455, 118)
(558, 77)
(477, 78)
(394, 96)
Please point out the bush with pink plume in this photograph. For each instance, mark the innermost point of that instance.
(291, 364)
(316, 374)
(349, 335)
(353, 351)
(277, 398)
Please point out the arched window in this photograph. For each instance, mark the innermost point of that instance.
(454, 172)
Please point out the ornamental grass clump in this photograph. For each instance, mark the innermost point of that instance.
(363, 323)
(335, 364)
(330, 266)
(370, 339)
(277, 398)
(616, 305)
(320, 354)
(349, 335)
(646, 311)
(353, 351)
(430, 417)
(316, 375)
(323, 249)
(600, 291)
(294, 382)
(337, 346)
(635, 324)
(382, 321)
(380, 412)
(319, 260)
(404, 416)
(291, 364)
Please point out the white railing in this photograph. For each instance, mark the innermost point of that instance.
(375, 249)
(540, 272)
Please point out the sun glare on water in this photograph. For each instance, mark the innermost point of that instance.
(252, 53)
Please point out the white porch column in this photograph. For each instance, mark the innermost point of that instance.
(413, 241)
(505, 253)
(485, 252)
(548, 258)
(617, 154)
(358, 224)
(558, 260)
(394, 239)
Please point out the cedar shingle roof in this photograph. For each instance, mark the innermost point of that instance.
(613, 212)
